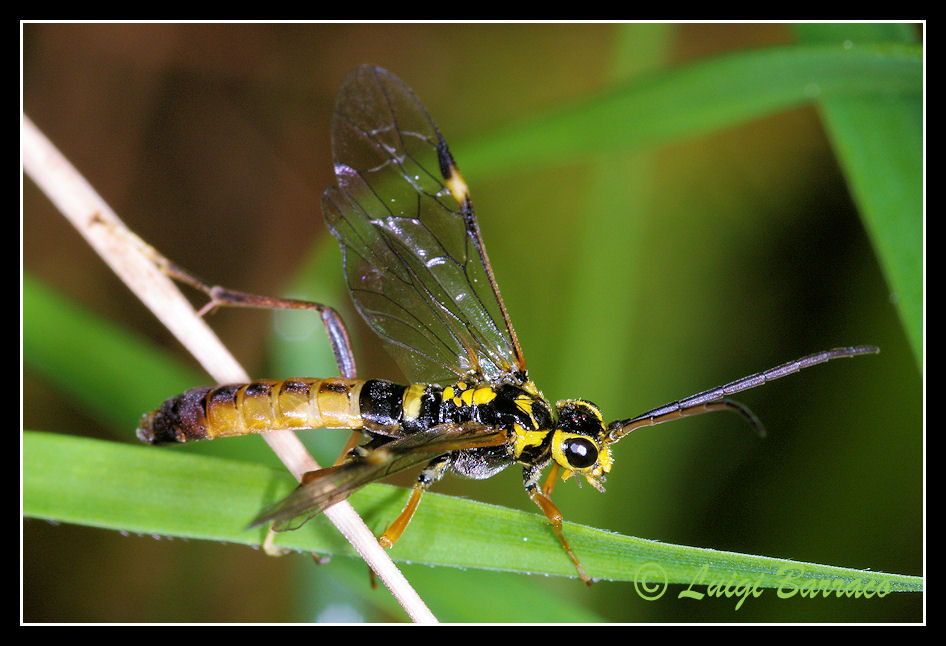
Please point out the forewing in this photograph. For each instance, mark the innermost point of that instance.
(325, 487)
(413, 257)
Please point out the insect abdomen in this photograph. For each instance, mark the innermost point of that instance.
(210, 412)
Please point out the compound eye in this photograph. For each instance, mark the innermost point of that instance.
(580, 452)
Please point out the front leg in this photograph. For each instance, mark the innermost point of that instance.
(530, 479)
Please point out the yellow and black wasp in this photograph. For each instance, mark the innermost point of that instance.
(418, 273)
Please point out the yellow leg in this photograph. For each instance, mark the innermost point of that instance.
(551, 479)
(555, 518)
(390, 536)
(431, 474)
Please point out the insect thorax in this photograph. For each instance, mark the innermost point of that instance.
(521, 410)
(572, 434)
(392, 409)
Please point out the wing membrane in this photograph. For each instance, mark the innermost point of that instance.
(413, 257)
(325, 487)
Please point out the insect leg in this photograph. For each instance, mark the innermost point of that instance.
(530, 477)
(432, 473)
(551, 479)
(221, 297)
(352, 442)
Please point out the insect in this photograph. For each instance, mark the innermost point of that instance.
(418, 273)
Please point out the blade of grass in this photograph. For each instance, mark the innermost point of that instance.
(870, 93)
(696, 99)
(879, 145)
(168, 493)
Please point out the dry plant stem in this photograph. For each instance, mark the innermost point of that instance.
(133, 261)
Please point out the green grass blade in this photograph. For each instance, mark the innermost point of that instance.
(879, 144)
(696, 99)
(869, 90)
(134, 489)
(169, 493)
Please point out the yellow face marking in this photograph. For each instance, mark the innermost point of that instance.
(605, 460)
(558, 455)
(411, 401)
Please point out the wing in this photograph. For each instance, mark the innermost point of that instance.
(413, 256)
(325, 487)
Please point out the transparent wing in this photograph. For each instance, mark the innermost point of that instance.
(325, 487)
(413, 257)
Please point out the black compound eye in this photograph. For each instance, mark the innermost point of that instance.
(581, 453)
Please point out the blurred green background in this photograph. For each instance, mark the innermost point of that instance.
(634, 277)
